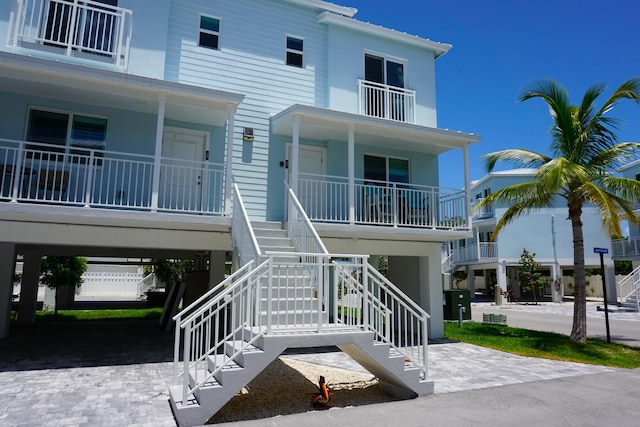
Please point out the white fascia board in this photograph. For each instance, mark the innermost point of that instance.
(438, 48)
(111, 78)
(629, 165)
(512, 172)
(443, 137)
(330, 7)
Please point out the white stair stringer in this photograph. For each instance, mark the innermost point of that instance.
(397, 376)
(210, 398)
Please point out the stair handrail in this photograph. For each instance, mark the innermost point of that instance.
(411, 337)
(630, 285)
(147, 283)
(242, 235)
(300, 228)
(228, 318)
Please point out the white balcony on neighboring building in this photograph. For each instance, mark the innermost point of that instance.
(387, 102)
(477, 252)
(626, 248)
(89, 29)
(483, 212)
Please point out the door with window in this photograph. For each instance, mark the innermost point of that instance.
(384, 87)
(183, 174)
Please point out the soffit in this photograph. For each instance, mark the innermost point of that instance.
(323, 125)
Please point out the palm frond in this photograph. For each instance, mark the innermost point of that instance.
(612, 208)
(517, 157)
(613, 157)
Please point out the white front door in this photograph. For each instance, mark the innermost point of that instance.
(182, 171)
(311, 169)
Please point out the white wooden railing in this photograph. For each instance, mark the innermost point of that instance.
(629, 288)
(73, 27)
(389, 102)
(326, 199)
(76, 176)
(242, 235)
(482, 251)
(629, 247)
(110, 284)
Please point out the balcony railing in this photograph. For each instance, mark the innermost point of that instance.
(483, 212)
(53, 174)
(387, 102)
(626, 248)
(73, 28)
(479, 252)
(327, 199)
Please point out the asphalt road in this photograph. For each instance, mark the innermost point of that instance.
(624, 327)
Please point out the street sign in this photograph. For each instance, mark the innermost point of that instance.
(600, 250)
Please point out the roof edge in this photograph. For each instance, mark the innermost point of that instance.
(438, 48)
(330, 7)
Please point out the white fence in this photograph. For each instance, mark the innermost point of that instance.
(111, 285)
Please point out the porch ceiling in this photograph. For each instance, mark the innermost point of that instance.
(69, 82)
(322, 124)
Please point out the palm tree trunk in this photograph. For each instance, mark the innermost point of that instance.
(579, 330)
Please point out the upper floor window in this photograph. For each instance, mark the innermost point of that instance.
(384, 71)
(295, 48)
(209, 32)
(67, 130)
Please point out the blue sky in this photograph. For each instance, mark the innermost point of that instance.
(499, 46)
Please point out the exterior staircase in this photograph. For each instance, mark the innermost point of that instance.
(629, 291)
(284, 297)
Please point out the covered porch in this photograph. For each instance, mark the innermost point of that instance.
(371, 171)
(97, 138)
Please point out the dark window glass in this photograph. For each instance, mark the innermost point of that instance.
(395, 74)
(375, 168)
(209, 32)
(399, 170)
(48, 127)
(373, 69)
(295, 49)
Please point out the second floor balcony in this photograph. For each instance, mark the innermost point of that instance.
(476, 252)
(331, 199)
(626, 248)
(387, 102)
(90, 29)
(76, 176)
(483, 212)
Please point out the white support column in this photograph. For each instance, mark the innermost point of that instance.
(431, 295)
(351, 170)
(7, 268)
(29, 288)
(228, 179)
(295, 155)
(478, 244)
(158, 153)
(501, 273)
(467, 185)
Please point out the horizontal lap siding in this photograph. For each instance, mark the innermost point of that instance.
(251, 61)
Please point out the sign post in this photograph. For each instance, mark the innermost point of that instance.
(603, 251)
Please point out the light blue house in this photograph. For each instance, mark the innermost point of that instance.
(190, 129)
(547, 233)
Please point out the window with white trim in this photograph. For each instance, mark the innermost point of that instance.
(209, 32)
(295, 52)
(74, 132)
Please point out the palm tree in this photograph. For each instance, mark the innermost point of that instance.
(585, 152)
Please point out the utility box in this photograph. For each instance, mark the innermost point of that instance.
(452, 301)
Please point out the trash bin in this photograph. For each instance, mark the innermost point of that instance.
(452, 300)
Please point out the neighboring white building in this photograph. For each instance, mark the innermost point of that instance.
(547, 233)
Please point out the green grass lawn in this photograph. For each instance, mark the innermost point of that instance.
(547, 345)
(73, 315)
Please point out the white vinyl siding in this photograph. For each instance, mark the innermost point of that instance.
(250, 61)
